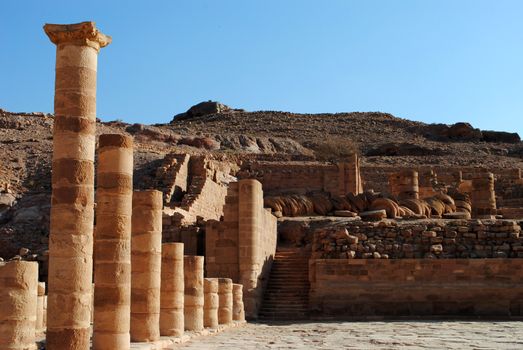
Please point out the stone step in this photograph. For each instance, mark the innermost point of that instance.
(292, 301)
(291, 307)
(283, 296)
(287, 285)
(283, 316)
(291, 278)
(287, 293)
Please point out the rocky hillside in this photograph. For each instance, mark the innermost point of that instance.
(26, 148)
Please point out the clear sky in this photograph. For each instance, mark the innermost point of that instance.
(428, 60)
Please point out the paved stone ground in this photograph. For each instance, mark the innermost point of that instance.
(368, 335)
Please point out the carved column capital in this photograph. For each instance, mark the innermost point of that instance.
(84, 33)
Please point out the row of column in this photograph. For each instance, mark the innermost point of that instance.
(183, 300)
(143, 288)
(125, 308)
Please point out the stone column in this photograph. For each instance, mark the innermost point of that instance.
(18, 305)
(71, 230)
(211, 303)
(226, 303)
(404, 184)
(112, 248)
(146, 260)
(40, 308)
(250, 225)
(238, 312)
(194, 296)
(483, 196)
(172, 290)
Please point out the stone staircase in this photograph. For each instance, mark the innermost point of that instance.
(287, 295)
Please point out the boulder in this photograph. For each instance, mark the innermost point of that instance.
(500, 136)
(373, 215)
(202, 109)
(345, 213)
(464, 131)
(461, 215)
(6, 201)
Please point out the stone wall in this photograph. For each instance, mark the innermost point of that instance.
(508, 182)
(194, 191)
(173, 177)
(416, 287)
(302, 177)
(442, 239)
(242, 246)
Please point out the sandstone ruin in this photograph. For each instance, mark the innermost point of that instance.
(194, 293)
(195, 243)
(112, 243)
(72, 213)
(146, 261)
(211, 303)
(172, 290)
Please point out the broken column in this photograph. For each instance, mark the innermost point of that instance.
(404, 184)
(71, 229)
(225, 300)
(172, 290)
(483, 197)
(250, 210)
(18, 304)
(40, 308)
(146, 260)
(211, 303)
(112, 248)
(238, 313)
(194, 296)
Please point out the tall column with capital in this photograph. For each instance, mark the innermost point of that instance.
(112, 243)
(72, 214)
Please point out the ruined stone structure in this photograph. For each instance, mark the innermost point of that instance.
(303, 177)
(194, 190)
(194, 294)
(483, 196)
(146, 260)
(211, 303)
(18, 305)
(402, 250)
(71, 232)
(172, 290)
(404, 184)
(112, 244)
(238, 312)
(225, 307)
(140, 289)
(241, 246)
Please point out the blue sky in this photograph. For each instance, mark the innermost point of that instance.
(428, 60)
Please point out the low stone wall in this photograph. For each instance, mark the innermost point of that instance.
(416, 287)
(443, 239)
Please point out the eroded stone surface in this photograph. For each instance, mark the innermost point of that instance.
(367, 335)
